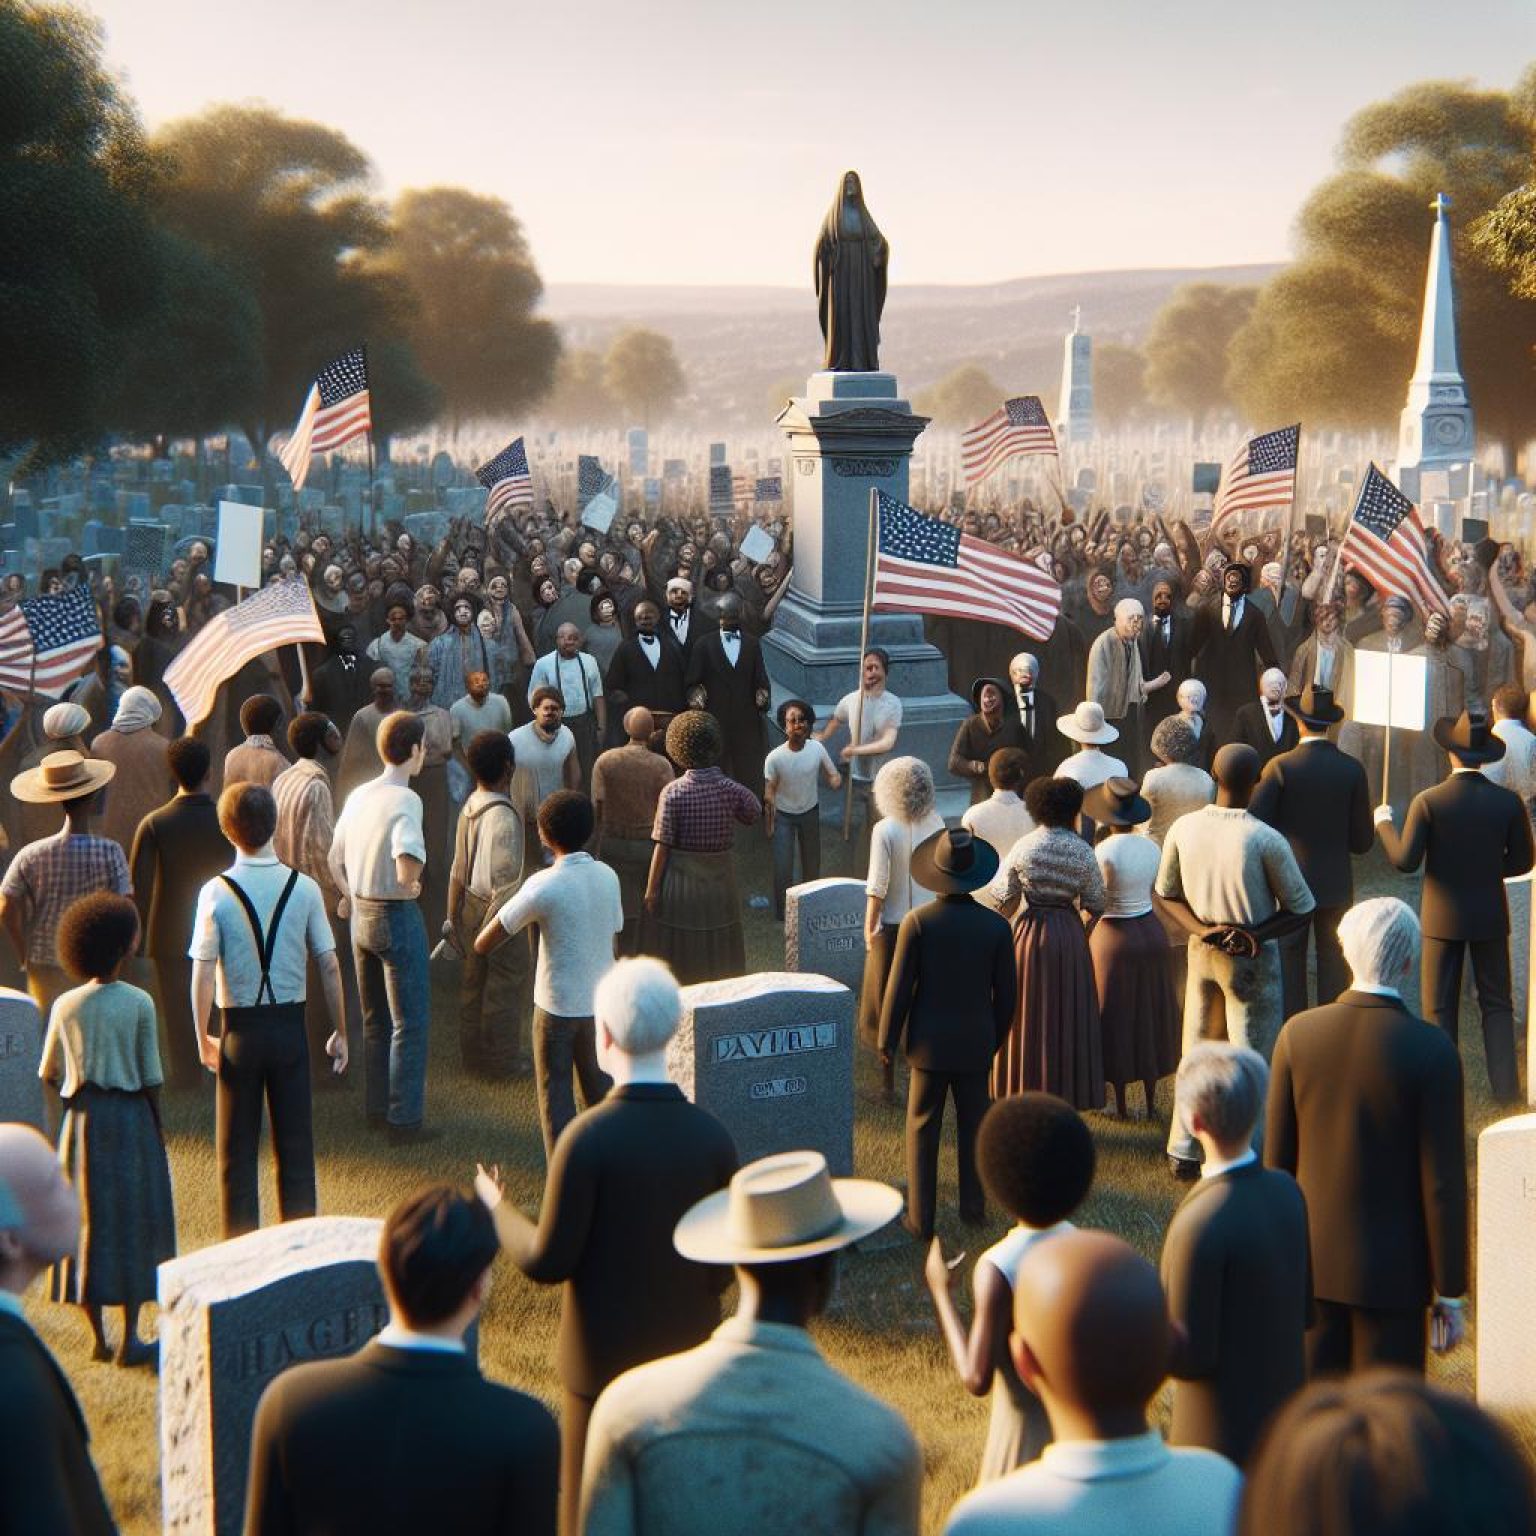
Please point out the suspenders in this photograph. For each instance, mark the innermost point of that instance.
(264, 945)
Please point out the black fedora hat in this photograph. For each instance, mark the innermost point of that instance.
(1116, 803)
(1314, 706)
(980, 683)
(950, 863)
(1470, 739)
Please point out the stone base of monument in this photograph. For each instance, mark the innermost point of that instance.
(771, 1057)
(1506, 1265)
(232, 1316)
(21, 1049)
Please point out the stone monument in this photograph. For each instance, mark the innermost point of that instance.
(21, 1049)
(232, 1316)
(1074, 412)
(1506, 1265)
(771, 1057)
(1435, 430)
(824, 930)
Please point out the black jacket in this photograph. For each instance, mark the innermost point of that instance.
(731, 697)
(632, 680)
(1229, 662)
(1173, 656)
(177, 850)
(1250, 727)
(1318, 798)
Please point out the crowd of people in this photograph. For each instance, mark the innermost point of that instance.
(526, 772)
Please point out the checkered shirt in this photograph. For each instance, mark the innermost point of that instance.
(47, 877)
(695, 812)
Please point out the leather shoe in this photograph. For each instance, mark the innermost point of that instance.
(1185, 1169)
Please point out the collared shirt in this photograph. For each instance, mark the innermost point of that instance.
(379, 822)
(1231, 612)
(47, 877)
(679, 623)
(1025, 699)
(1213, 1167)
(730, 643)
(578, 909)
(650, 648)
(396, 1336)
(577, 679)
(221, 931)
(696, 813)
(1275, 719)
(306, 822)
(1375, 990)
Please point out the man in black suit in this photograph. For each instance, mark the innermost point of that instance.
(1317, 796)
(1231, 647)
(1030, 717)
(951, 993)
(647, 670)
(621, 1176)
(1235, 1263)
(683, 625)
(339, 686)
(1166, 646)
(407, 1435)
(1471, 835)
(177, 850)
(1263, 722)
(48, 1483)
(726, 676)
(1365, 1112)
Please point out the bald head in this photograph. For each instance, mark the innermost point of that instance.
(39, 1210)
(639, 725)
(1236, 770)
(1091, 1335)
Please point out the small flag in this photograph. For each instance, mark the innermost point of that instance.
(1385, 543)
(770, 488)
(507, 479)
(591, 479)
(277, 615)
(1017, 427)
(1261, 476)
(335, 411)
(925, 566)
(722, 488)
(47, 642)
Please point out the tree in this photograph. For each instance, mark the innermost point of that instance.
(963, 397)
(467, 267)
(78, 267)
(580, 396)
(1332, 339)
(1186, 348)
(1119, 384)
(641, 372)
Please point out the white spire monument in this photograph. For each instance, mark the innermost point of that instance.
(1074, 411)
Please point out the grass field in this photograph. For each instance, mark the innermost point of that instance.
(880, 1330)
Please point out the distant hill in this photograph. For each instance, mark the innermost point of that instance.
(738, 343)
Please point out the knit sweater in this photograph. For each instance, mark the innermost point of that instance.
(1231, 868)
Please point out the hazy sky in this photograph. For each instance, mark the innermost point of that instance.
(700, 141)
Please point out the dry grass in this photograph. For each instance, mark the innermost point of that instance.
(880, 1330)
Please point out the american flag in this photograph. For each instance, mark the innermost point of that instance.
(1261, 476)
(58, 636)
(770, 488)
(1017, 426)
(722, 488)
(591, 479)
(925, 566)
(280, 614)
(1385, 543)
(507, 478)
(335, 411)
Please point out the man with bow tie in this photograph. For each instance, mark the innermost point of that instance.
(1263, 722)
(648, 669)
(1165, 647)
(681, 623)
(1232, 646)
(1031, 718)
(726, 676)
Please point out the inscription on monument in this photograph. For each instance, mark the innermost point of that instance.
(756, 1044)
(337, 1333)
(779, 1088)
(863, 469)
(11, 1045)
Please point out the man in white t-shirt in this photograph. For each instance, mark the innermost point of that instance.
(578, 908)
(544, 760)
(576, 676)
(792, 798)
(879, 721)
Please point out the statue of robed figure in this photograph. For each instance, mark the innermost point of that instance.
(851, 261)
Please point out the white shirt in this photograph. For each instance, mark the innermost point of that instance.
(1213, 1167)
(1275, 718)
(794, 776)
(1129, 863)
(577, 679)
(1375, 990)
(890, 865)
(650, 648)
(221, 931)
(881, 712)
(1231, 612)
(539, 763)
(379, 822)
(1001, 820)
(1091, 768)
(679, 623)
(730, 643)
(398, 1337)
(577, 906)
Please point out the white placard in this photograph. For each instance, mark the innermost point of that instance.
(599, 512)
(237, 557)
(1380, 677)
(757, 545)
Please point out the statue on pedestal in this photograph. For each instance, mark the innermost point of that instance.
(852, 257)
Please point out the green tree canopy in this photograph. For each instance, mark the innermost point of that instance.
(642, 373)
(1186, 348)
(964, 396)
(466, 265)
(1119, 384)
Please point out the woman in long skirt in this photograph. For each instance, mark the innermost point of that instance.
(1132, 963)
(101, 1051)
(1055, 1043)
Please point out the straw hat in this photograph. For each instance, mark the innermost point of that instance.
(1087, 724)
(62, 776)
(782, 1208)
(951, 863)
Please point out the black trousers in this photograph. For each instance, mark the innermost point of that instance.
(575, 1417)
(564, 1049)
(263, 1055)
(1347, 1339)
(1332, 972)
(926, 1093)
(173, 981)
(1440, 982)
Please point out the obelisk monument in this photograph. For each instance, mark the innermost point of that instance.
(1074, 412)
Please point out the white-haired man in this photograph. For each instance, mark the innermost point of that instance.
(1031, 717)
(1234, 1263)
(1115, 679)
(1365, 1111)
(1263, 722)
(1191, 699)
(622, 1175)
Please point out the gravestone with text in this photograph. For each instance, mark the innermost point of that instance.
(1506, 1265)
(824, 930)
(21, 1049)
(771, 1057)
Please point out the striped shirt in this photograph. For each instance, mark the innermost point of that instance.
(47, 877)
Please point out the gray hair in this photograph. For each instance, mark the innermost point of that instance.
(1129, 607)
(1191, 683)
(1380, 938)
(904, 790)
(1225, 1086)
(1174, 740)
(1026, 658)
(639, 1004)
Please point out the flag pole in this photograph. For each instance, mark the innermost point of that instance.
(1290, 529)
(856, 725)
(370, 530)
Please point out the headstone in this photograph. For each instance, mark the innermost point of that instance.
(21, 1049)
(771, 1057)
(232, 1316)
(24, 515)
(824, 930)
(442, 470)
(1506, 1265)
(133, 505)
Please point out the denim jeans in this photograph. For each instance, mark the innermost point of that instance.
(564, 1049)
(789, 828)
(389, 948)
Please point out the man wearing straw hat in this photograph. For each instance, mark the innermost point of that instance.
(48, 876)
(753, 1429)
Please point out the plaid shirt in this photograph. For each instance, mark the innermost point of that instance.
(47, 877)
(695, 812)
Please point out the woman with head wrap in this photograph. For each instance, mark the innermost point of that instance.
(63, 728)
(142, 782)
